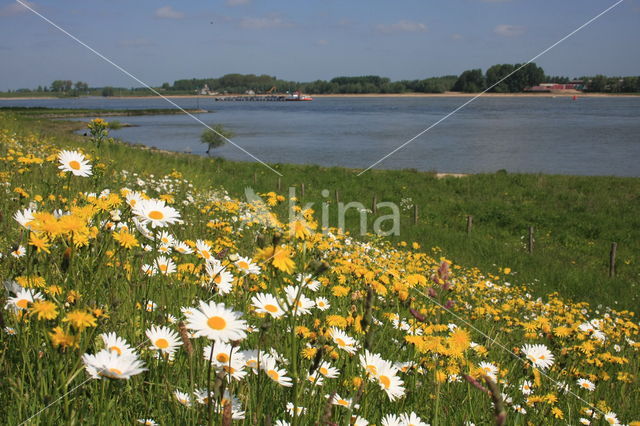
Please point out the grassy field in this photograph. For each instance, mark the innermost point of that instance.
(575, 218)
(148, 291)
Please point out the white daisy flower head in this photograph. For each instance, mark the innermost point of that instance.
(322, 303)
(216, 322)
(163, 339)
(391, 420)
(343, 340)
(490, 370)
(74, 162)
(182, 397)
(116, 344)
(148, 422)
(156, 213)
(246, 266)
(390, 382)
(539, 355)
(300, 304)
(109, 364)
(278, 375)
(23, 217)
(328, 371)
(586, 384)
(412, 419)
(219, 276)
(266, 303)
(165, 265)
(307, 281)
(23, 298)
(19, 252)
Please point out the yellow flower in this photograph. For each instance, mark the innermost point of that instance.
(336, 321)
(309, 353)
(280, 258)
(557, 413)
(60, 338)
(80, 319)
(340, 291)
(126, 239)
(44, 309)
(40, 242)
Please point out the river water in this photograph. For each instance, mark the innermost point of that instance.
(586, 136)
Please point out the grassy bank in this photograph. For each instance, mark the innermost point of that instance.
(138, 290)
(575, 218)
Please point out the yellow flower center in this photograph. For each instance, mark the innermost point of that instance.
(386, 382)
(162, 343)
(340, 342)
(243, 265)
(222, 357)
(156, 215)
(343, 402)
(273, 374)
(324, 371)
(217, 279)
(22, 303)
(163, 267)
(75, 165)
(372, 369)
(271, 308)
(116, 350)
(229, 369)
(115, 371)
(217, 323)
(205, 254)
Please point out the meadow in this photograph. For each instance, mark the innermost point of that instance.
(141, 287)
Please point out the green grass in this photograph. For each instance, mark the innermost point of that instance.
(576, 218)
(35, 373)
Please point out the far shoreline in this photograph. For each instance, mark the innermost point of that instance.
(364, 95)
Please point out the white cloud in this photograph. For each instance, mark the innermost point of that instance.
(136, 42)
(509, 30)
(16, 8)
(265, 22)
(401, 26)
(167, 12)
(237, 2)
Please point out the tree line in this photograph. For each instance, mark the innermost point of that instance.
(499, 78)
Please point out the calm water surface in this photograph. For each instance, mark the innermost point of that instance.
(587, 136)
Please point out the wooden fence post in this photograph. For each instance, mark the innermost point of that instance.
(374, 204)
(337, 196)
(302, 190)
(612, 260)
(469, 223)
(255, 178)
(531, 239)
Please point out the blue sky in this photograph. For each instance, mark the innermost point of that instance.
(304, 40)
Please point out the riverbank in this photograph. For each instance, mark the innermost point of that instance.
(378, 95)
(575, 218)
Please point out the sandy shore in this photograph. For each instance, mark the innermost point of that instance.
(385, 95)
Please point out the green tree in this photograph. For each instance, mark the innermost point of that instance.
(215, 138)
(470, 81)
(107, 91)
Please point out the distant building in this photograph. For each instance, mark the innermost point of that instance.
(205, 91)
(552, 87)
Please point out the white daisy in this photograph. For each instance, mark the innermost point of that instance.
(74, 162)
(116, 344)
(163, 339)
(266, 303)
(586, 384)
(278, 375)
(23, 217)
(344, 342)
(246, 266)
(219, 276)
(183, 398)
(165, 265)
(108, 363)
(539, 355)
(301, 304)
(322, 303)
(156, 212)
(216, 322)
